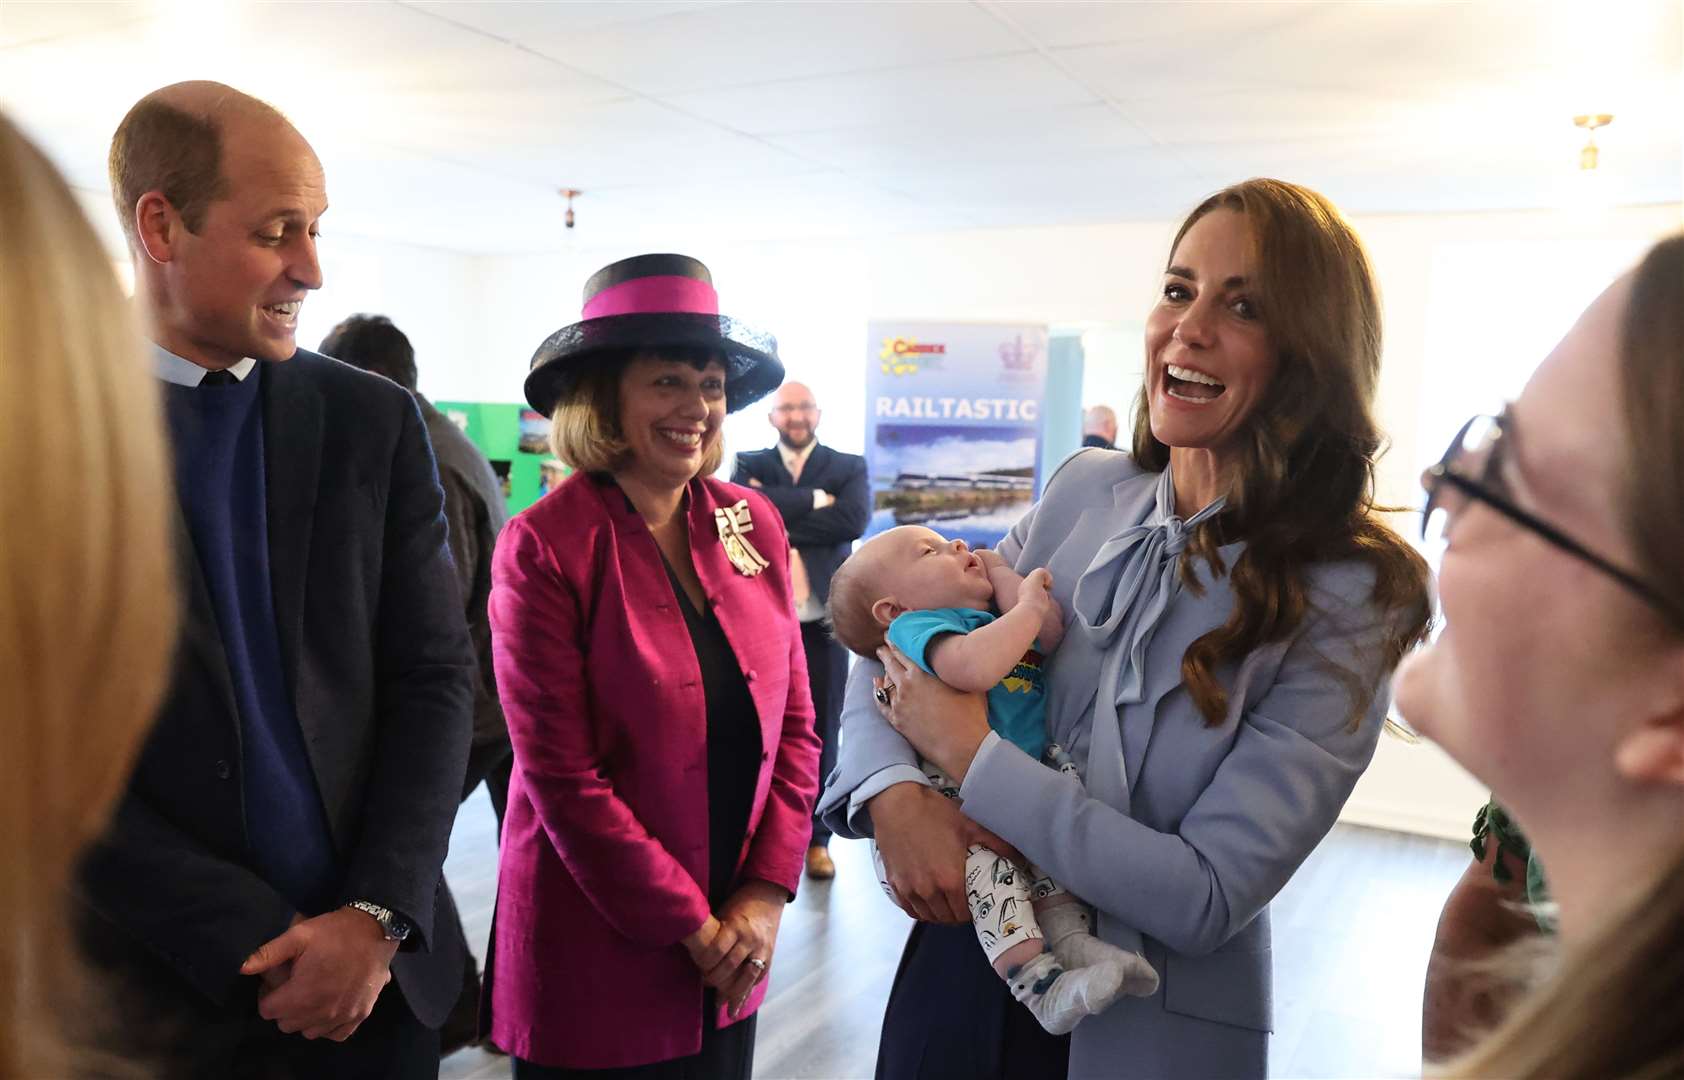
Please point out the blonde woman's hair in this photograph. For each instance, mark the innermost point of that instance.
(1612, 1007)
(87, 592)
(585, 424)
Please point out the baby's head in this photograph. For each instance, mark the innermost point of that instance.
(909, 568)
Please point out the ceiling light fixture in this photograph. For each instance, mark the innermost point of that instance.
(1590, 122)
(569, 193)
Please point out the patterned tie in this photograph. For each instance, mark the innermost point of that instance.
(218, 378)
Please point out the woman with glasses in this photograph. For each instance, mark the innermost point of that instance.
(1235, 608)
(1559, 677)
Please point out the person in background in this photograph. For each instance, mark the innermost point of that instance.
(652, 673)
(824, 498)
(476, 512)
(1497, 902)
(1099, 427)
(1559, 677)
(88, 607)
(551, 472)
(276, 860)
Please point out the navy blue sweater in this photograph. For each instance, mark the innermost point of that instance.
(219, 472)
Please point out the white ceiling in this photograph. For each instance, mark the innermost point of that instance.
(452, 124)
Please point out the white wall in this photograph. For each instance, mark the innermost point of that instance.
(432, 296)
(1113, 368)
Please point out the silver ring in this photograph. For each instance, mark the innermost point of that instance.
(759, 964)
(881, 693)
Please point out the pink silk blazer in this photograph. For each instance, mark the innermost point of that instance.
(604, 860)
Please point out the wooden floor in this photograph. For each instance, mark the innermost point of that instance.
(1352, 931)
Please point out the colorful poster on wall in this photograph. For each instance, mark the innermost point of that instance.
(953, 425)
(515, 440)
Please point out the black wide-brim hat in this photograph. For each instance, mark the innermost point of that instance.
(653, 302)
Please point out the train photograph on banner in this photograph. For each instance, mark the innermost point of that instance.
(953, 425)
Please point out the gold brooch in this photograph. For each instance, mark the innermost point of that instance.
(733, 522)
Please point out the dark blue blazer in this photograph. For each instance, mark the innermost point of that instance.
(824, 537)
(377, 658)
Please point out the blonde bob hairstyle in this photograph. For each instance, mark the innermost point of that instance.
(585, 425)
(87, 590)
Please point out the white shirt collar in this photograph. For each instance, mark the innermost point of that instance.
(183, 372)
(793, 457)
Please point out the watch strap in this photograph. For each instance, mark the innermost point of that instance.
(393, 925)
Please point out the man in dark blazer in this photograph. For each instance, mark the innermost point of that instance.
(476, 511)
(276, 860)
(824, 497)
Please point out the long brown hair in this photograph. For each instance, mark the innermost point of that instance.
(1302, 489)
(87, 598)
(1612, 1006)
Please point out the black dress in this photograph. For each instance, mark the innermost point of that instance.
(734, 749)
(951, 1017)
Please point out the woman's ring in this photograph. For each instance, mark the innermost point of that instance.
(759, 964)
(882, 694)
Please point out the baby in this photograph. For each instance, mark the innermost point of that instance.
(930, 598)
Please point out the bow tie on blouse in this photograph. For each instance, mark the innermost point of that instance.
(1123, 594)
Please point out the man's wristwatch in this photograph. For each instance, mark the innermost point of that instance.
(391, 923)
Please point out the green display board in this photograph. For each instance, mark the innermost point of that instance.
(516, 440)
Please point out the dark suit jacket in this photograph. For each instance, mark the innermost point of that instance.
(825, 536)
(377, 658)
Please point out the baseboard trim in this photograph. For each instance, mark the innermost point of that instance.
(1407, 819)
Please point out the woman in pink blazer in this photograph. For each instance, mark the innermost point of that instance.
(650, 665)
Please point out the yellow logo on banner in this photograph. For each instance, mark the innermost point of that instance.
(899, 355)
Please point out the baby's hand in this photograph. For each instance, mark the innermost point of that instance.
(1036, 592)
(989, 558)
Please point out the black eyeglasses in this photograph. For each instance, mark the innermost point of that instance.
(1471, 466)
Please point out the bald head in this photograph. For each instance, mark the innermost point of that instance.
(1101, 421)
(202, 97)
(795, 413)
(173, 141)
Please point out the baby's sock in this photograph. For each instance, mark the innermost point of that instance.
(1059, 999)
(1068, 932)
